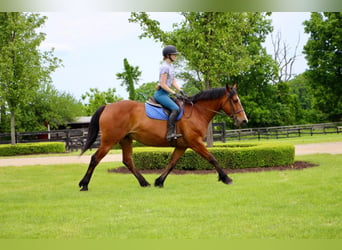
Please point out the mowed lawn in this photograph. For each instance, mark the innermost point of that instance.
(43, 202)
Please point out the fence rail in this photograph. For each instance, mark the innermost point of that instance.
(75, 138)
(276, 132)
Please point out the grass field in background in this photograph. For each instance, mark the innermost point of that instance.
(43, 202)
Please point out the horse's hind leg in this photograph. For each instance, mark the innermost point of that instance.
(95, 159)
(127, 159)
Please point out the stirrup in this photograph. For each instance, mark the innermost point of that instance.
(173, 137)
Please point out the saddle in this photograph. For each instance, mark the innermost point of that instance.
(154, 110)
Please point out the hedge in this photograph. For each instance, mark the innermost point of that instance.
(32, 148)
(228, 155)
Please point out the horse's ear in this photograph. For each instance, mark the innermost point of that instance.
(235, 86)
(227, 88)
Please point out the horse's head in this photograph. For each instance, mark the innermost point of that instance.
(233, 107)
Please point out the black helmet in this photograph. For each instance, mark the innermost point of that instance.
(170, 50)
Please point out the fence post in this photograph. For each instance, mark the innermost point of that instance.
(223, 131)
(68, 140)
(17, 137)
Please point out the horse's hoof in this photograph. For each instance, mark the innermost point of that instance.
(84, 188)
(159, 183)
(145, 184)
(226, 180)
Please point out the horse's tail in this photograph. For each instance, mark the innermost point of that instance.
(94, 128)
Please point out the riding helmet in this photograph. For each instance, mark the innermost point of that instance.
(170, 50)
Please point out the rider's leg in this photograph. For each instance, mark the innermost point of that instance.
(163, 98)
(171, 126)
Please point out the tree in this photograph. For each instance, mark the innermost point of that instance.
(145, 91)
(323, 52)
(129, 77)
(283, 59)
(300, 87)
(48, 106)
(22, 65)
(212, 43)
(95, 98)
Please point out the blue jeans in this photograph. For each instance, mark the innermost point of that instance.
(164, 99)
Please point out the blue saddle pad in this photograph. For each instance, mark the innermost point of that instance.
(157, 113)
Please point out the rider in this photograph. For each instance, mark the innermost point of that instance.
(166, 81)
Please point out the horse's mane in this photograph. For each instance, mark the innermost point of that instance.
(210, 94)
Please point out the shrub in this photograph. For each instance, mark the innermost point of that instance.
(32, 148)
(228, 156)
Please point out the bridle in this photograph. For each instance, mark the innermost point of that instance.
(232, 93)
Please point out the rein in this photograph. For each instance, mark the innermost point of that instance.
(224, 114)
(188, 100)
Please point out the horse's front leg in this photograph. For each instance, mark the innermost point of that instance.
(203, 151)
(176, 155)
(127, 159)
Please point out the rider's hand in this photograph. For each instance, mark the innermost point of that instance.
(179, 96)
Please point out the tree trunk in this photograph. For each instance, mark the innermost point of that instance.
(210, 139)
(2, 118)
(210, 136)
(12, 129)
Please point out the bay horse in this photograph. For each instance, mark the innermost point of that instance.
(125, 121)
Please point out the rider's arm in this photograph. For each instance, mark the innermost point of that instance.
(163, 84)
(175, 84)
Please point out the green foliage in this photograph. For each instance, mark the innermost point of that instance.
(32, 148)
(23, 67)
(300, 88)
(48, 106)
(95, 98)
(324, 57)
(129, 77)
(214, 44)
(228, 156)
(145, 91)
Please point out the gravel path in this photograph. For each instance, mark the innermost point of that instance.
(322, 148)
(304, 149)
(18, 162)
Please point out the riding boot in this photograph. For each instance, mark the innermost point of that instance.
(171, 126)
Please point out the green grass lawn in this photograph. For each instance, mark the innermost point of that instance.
(44, 202)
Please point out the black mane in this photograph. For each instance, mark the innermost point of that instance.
(210, 94)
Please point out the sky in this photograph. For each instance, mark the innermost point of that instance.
(92, 46)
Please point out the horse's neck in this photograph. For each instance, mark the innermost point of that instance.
(207, 109)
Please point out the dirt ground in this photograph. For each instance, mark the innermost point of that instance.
(296, 166)
(304, 149)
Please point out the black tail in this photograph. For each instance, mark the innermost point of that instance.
(94, 128)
